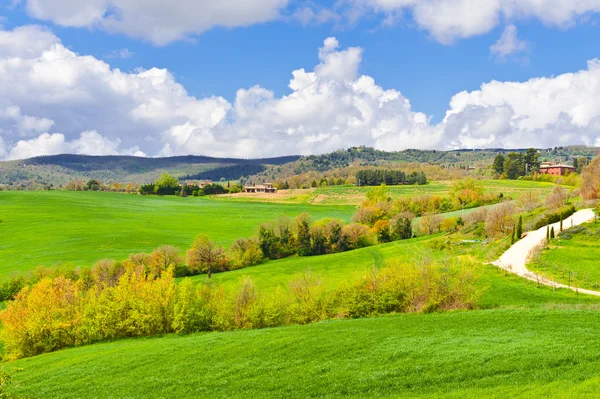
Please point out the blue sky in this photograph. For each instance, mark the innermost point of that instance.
(428, 58)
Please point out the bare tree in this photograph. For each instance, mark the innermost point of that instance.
(529, 201)
(204, 255)
(430, 224)
(500, 219)
(557, 199)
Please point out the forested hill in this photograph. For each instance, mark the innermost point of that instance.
(59, 169)
(365, 156)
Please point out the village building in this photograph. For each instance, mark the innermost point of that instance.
(262, 188)
(556, 170)
(199, 183)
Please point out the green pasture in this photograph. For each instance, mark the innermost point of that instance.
(573, 258)
(352, 195)
(497, 287)
(47, 228)
(518, 353)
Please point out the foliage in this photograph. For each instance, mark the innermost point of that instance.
(590, 188)
(204, 256)
(376, 177)
(547, 219)
(56, 313)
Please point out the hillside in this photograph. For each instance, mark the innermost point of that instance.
(58, 169)
(365, 156)
(500, 353)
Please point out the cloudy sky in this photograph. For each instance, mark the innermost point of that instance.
(258, 78)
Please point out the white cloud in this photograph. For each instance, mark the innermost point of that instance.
(540, 112)
(450, 20)
(53, 100)
(158, 21)
(309, 16)
(509, 44)
(123, 53)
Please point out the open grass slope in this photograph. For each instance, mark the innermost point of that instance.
(46, 228)
(499, 288)
(572, 258)
(351, 195)
(495, 353)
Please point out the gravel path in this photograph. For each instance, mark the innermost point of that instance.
(515, 258)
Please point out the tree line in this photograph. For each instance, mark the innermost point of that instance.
(376, 177)
(59, 312)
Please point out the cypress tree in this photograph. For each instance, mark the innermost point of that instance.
(520, 228)
(512, 236)
(552, 235)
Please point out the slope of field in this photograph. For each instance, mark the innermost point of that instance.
(572, 258)
(351, 195)
(83, 227)
(499, 289)
(499, 353)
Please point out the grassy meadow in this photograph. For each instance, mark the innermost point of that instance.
(525, 341)
(351, 195)
(518, 353)
(80, 228)
(572, 257)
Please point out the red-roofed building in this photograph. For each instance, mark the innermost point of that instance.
(556, 170)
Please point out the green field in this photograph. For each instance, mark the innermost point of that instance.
(351, 195)
(573, 258)
(46, 228)
(499, 353)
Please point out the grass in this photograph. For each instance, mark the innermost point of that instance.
(351, 195)
(46, 228)
(499, 289)
(572, 258)
(499, 353)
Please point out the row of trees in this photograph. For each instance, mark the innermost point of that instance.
(517, 164)
(376, 177)
(59, 312)
(169, 185)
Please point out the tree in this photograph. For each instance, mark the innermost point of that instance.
(499, 219)
(163, 257)
(93, 185)
(514, 165)
(498, 164)
(382, 230)
(552, 234)
(529, 201)
(166, 184)
(204, 255)
(532, 160)
(519, 228)
(590, 187)
(430, 224)
(557, 199)
(303, 234)
(402, 226)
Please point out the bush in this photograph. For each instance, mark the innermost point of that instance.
(555, 217)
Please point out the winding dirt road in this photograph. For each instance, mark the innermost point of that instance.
(515, 258)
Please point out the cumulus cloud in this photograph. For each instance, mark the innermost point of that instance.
(508, 44)
(53, 100)
(540, 112)
(450, 20)
(158, 21)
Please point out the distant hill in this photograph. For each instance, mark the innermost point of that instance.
(59, 169)
(365, 156)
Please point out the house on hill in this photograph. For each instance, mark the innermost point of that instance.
(262, 188)
(556, 170)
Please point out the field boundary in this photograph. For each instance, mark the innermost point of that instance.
(514, 260)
